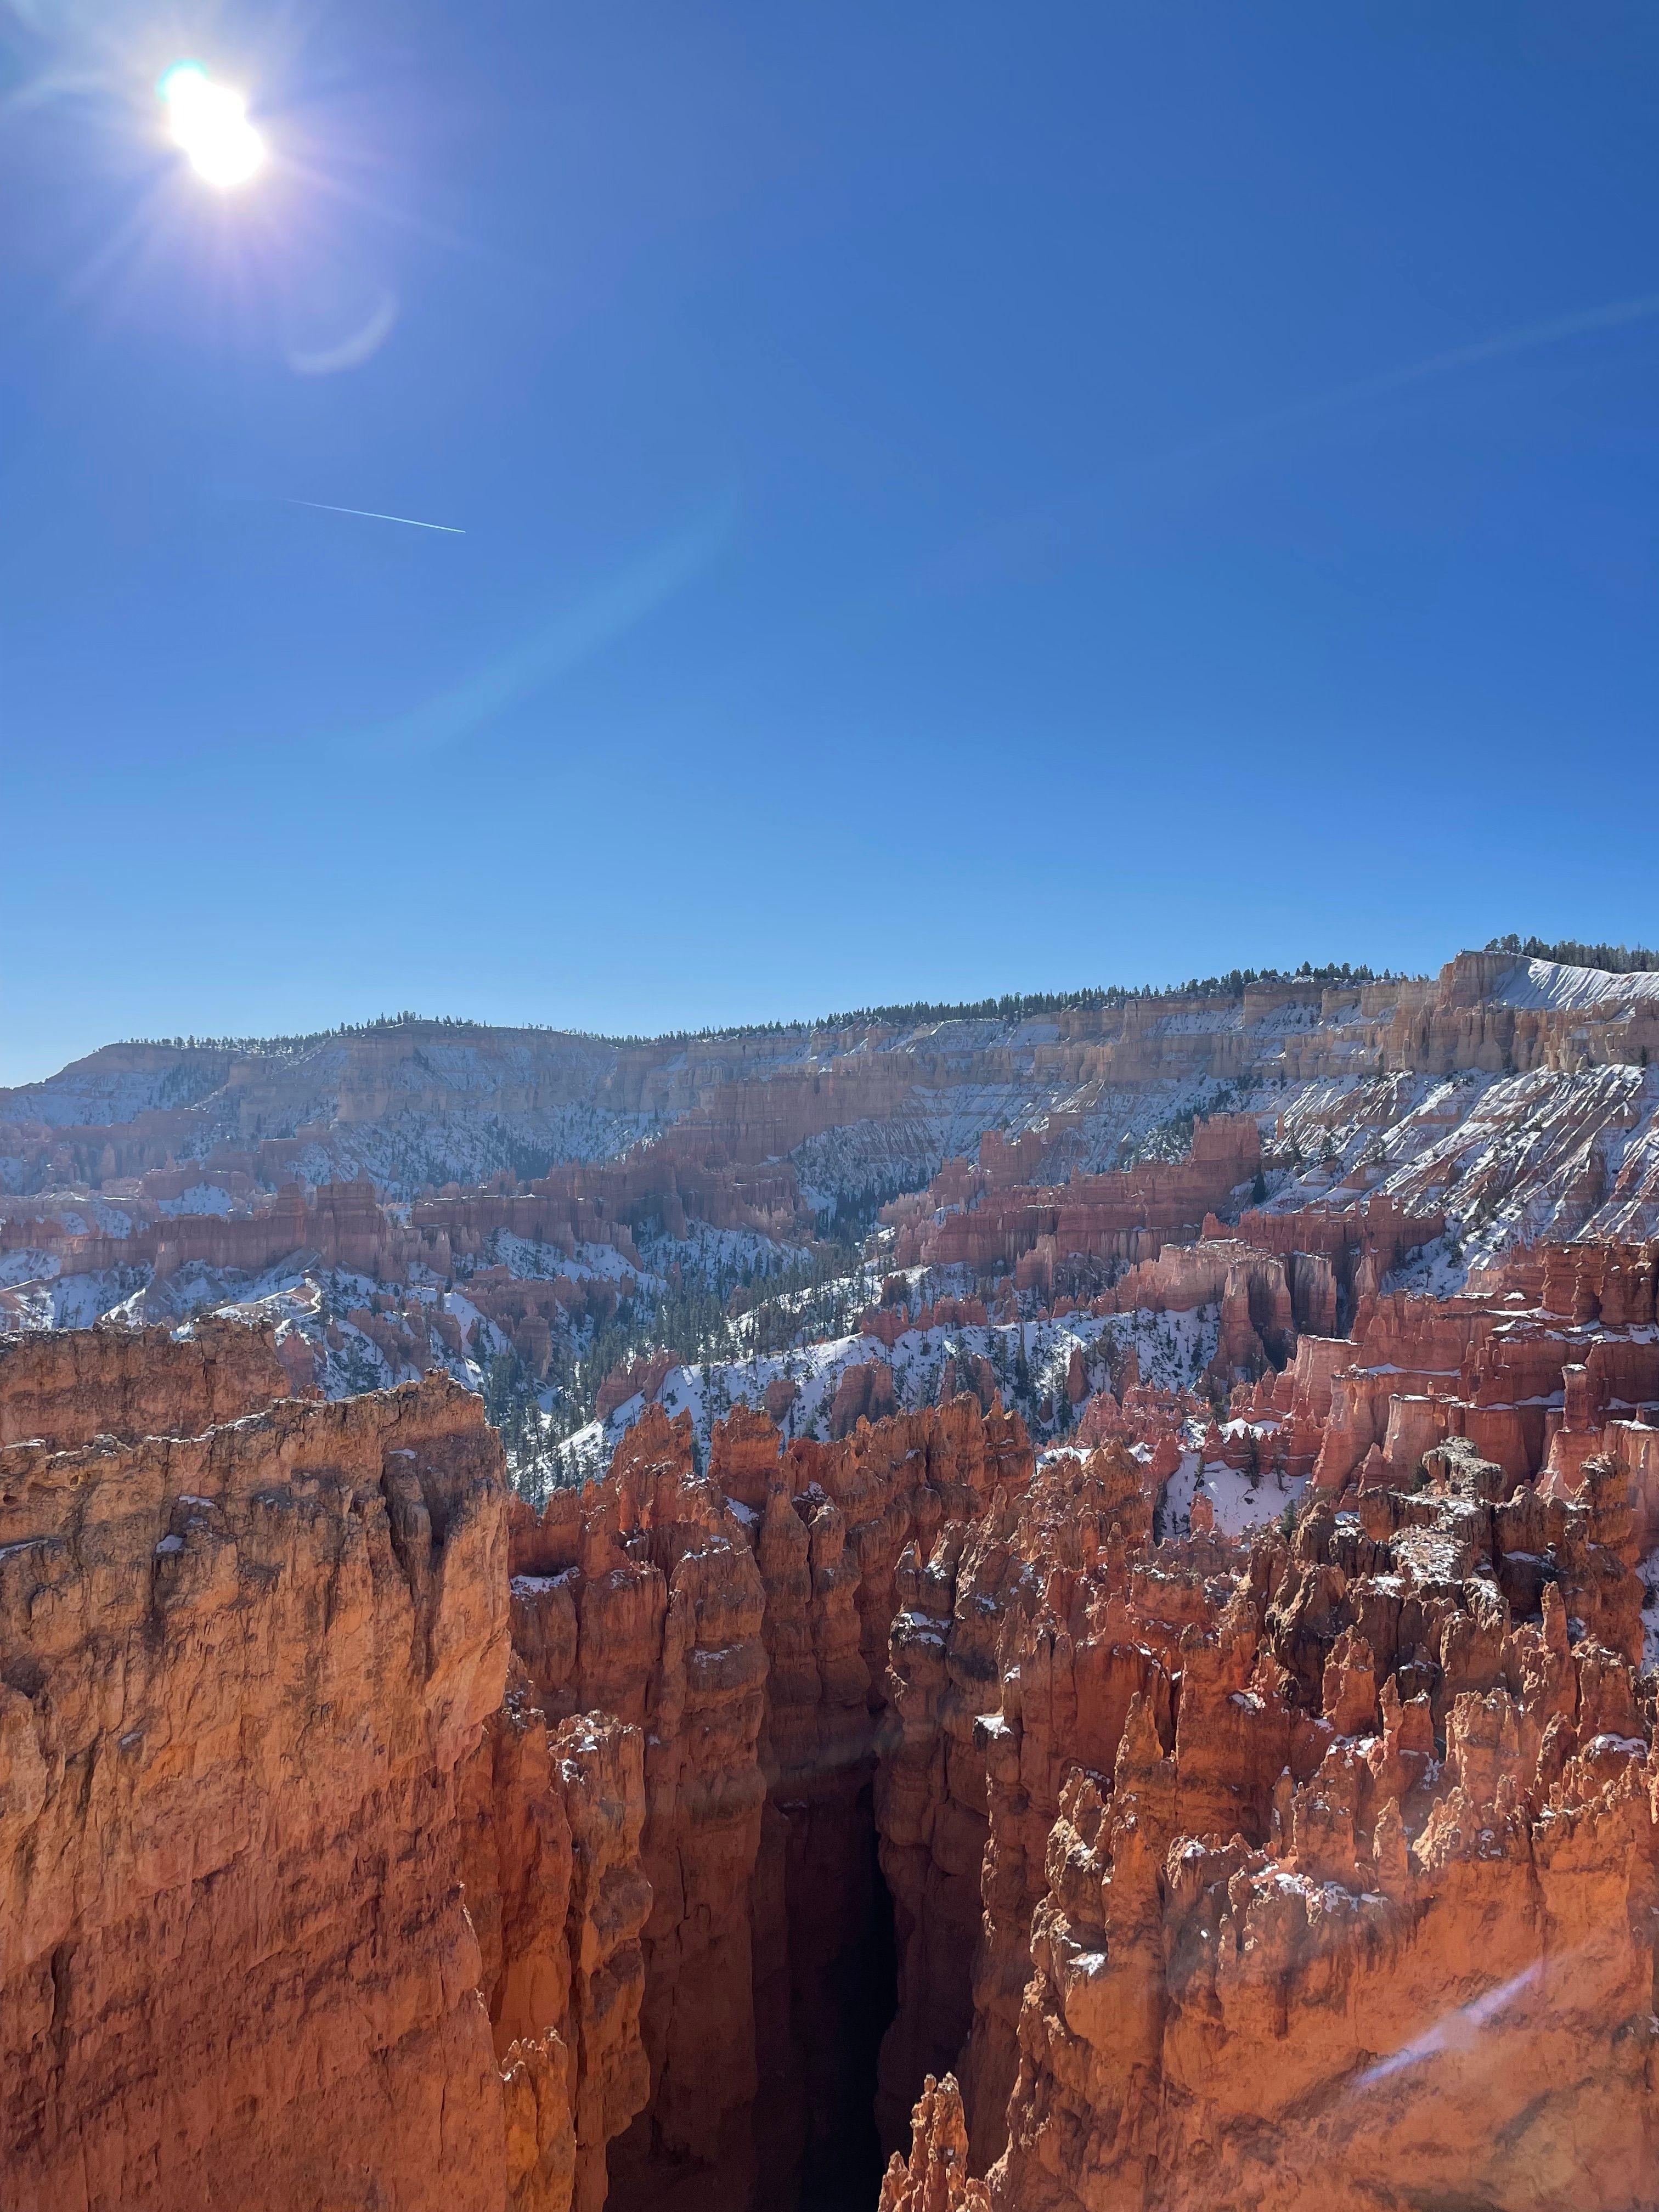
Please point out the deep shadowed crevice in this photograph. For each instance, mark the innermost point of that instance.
(843, 2172)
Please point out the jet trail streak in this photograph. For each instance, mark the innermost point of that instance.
(371, 514)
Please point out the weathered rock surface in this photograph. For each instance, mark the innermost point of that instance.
(367, 1837)
(741, 1620)
(642, 1598)
(973, 1218)
(63, 1388)
(1354, 1905)
(935, 2177)
(243, 1672)
(956, 1616)
(552, 1823)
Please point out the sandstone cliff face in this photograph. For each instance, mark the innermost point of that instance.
(957, 1616)
(552, 1826)
(242, 1672)
(930, 1791)
(63, 1388)
(742, 1621)
(873, 1506)
(641, 1599)
(1102, 1632)
(973, 1218)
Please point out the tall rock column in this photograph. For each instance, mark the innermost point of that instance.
(552, 1857)
(641, 1599)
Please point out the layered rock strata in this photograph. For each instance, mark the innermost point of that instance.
(552, 1824)
(366, 1837)
(243, 1674)
(62, 1387)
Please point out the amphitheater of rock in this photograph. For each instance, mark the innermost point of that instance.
(939, 1808)
(366, 1838)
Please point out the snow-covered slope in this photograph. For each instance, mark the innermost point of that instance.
(1550, 984)
(1172, 1351)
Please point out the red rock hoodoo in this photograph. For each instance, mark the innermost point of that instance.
(766, 1810)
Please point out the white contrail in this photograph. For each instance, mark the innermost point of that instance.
(371, 514)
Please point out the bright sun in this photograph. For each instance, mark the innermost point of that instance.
(210, 123)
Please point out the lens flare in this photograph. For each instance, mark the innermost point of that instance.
(209, 125)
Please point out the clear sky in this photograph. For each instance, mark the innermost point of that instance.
(953, 498)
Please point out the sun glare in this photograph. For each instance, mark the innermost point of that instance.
(209, 125)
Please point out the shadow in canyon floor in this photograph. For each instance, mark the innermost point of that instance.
(843, 2170)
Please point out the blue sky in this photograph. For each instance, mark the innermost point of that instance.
(955, 499)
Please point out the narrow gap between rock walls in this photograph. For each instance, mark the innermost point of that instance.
(844, 2174)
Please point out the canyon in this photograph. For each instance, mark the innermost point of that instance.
(1154, 1708)
(371, 1836)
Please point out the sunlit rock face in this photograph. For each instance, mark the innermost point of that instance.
(244, 1671)
(368, 1836)
(349, 1829)
(65, 1387)
(741, 1620)
(935, 2177)
(1358, 1909)
(551, 1821)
